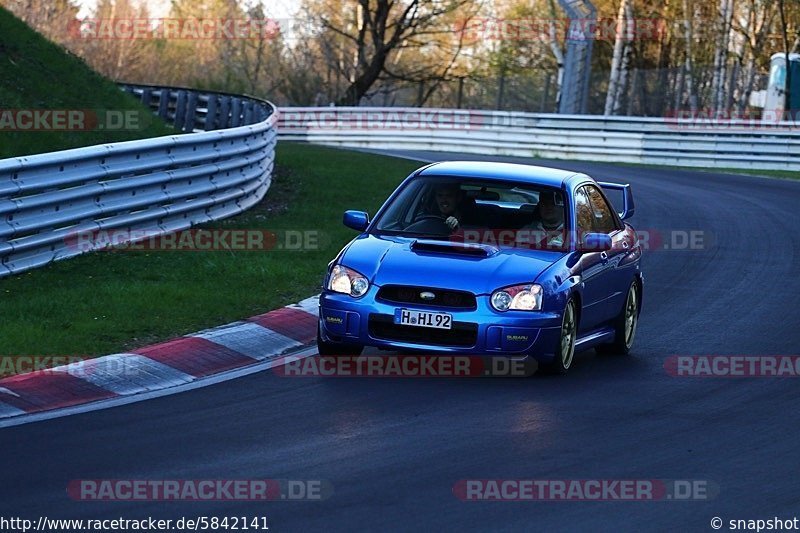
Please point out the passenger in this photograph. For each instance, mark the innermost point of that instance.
(549, 225)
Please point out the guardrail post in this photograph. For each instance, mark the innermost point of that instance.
(180, 110)
(191, 111)
(211, 113)
(163, 104)
(248, 112)
(236, 112)
(147, 97)
(224, 112)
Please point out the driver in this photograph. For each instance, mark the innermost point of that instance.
(449, 199)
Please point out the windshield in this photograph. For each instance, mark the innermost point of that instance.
(477, 211)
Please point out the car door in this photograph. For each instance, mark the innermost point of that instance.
(596, 272)
(617, 277)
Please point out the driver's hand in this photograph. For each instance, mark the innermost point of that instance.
(452, 222)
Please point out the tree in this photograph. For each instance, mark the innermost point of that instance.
(752, 27)
(557, 50)
(619, 65)
(721, 54)
(365, 40)
(785, 34)
(52, 18)
(687, 67)
(117, 58)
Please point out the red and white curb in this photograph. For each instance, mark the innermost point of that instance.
(188, 362)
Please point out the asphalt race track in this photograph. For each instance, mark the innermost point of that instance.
(394, 448)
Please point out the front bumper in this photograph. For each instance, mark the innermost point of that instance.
(481, 331)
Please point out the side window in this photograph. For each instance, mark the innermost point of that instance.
(602, 215)
(583, 212)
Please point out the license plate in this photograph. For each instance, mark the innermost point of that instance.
(425, 319)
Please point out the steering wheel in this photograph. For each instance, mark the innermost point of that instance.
(427, 217)
(429, 224)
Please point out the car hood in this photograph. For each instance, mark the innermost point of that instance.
(389, 260)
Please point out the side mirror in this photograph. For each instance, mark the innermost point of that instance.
(357, 220)
(595, 242)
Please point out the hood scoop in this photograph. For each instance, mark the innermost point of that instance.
(449, 247)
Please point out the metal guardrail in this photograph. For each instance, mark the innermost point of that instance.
(167, 184)
(151, 186)
(707, 143)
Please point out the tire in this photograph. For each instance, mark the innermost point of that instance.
(625, 325)
(335, 348)
(565, 349)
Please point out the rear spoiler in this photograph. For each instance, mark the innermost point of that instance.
(628, 207)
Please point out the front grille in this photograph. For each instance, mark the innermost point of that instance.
(408, 294)
(462, 334)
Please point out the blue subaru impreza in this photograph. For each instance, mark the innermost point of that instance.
(488, 259)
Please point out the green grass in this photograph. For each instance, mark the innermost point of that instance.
(37, 74)
(107, 302)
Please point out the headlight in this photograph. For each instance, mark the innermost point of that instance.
(347, 281)
(518, 297)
